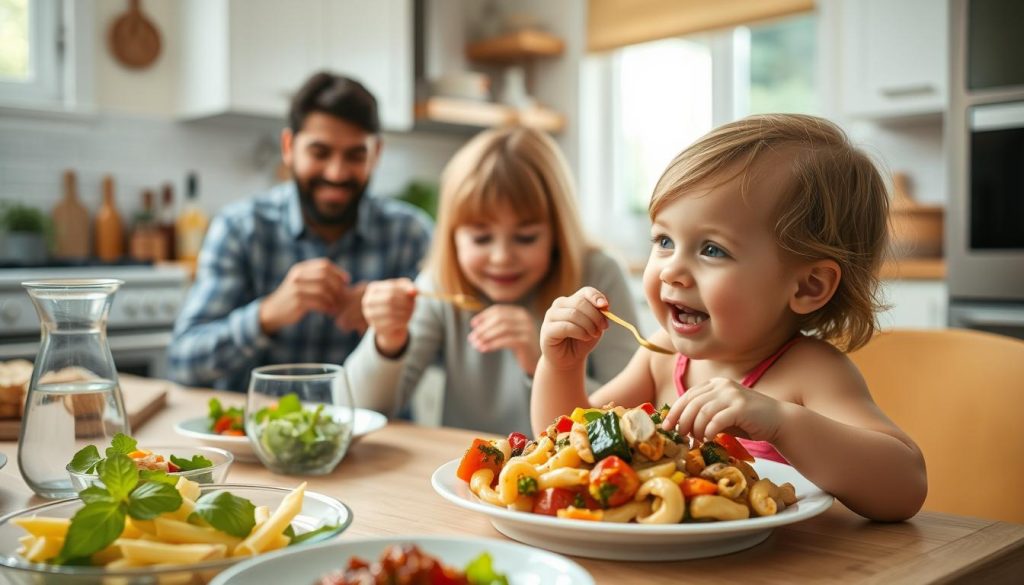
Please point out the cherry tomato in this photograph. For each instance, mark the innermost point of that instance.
(551, 500)
(172, 468)
(518, 442)
(613, 482)
(647, 407)
(223, 423)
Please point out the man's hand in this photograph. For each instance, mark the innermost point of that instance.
(388, 306)
(507, 327)
(311, 285)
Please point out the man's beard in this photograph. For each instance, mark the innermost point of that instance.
(345, 217)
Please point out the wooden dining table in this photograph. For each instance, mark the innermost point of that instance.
(385, 480)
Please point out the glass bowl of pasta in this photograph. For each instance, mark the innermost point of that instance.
(145, 535)
(609, 484)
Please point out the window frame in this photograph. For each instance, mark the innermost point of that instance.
(45, 55)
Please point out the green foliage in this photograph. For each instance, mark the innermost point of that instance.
(422, 195)
(15, 217)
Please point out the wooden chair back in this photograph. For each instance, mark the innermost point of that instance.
(960, 395)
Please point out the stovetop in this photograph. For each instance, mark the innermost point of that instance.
(150, 297)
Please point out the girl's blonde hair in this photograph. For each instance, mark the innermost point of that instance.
(835, 206)
(518, 169)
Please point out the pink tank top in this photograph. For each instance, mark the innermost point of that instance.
(759, 449)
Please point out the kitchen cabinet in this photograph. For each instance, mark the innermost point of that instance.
(248, 57)
(917, 304)
(893, 57)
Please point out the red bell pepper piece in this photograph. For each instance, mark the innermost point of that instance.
(563, 424)
(648, 408)
(733, 447)
(482, 454)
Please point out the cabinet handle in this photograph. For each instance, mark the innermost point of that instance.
(908, 90)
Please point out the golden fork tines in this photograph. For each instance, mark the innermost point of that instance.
(459, 300)
(643, 342)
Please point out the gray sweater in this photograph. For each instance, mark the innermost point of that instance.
(483, 391)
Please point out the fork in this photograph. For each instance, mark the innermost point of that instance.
(640, 339)
(460, 300)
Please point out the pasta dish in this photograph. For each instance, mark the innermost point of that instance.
(614, 464)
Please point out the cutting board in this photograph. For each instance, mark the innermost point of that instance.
(143, 397)
(71, 223)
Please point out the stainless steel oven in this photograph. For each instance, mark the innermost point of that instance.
(985, 126)
(139, 325)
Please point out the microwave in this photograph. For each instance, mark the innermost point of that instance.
(985, 141)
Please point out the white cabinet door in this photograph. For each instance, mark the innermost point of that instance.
(916, 304)
(894, 57)
(274, 47)
(250, 56)
(373, 43)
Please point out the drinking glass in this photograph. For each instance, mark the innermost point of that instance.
(299, 417)
(73, 398)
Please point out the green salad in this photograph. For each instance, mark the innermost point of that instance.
(300, 439)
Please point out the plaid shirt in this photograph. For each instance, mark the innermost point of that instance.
(246, 254)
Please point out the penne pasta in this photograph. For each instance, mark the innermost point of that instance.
(261, 537)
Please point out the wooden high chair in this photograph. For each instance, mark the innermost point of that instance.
(960, 395)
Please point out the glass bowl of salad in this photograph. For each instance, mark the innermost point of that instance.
(203, 465)
(299, 417)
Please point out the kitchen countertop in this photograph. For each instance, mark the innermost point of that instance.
(385, 479)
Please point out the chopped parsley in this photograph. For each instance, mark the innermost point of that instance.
(605, 491)
(527, 485)
(579, 501)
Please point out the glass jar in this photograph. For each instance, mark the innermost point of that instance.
(299, 417)
(74, 399)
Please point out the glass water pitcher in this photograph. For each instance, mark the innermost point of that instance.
(74, 399)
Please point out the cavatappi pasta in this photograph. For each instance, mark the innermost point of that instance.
(168, 539)
(617, 465)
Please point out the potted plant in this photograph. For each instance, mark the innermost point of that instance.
(25, 232)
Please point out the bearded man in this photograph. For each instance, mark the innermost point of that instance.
(281, 276)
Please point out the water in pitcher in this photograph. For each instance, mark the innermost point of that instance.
(66, 417)
(73, 397)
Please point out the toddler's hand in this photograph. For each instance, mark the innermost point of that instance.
(722, 405)
(507, 327)
(387, 306)
(572, 327)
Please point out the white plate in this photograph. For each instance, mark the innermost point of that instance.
(521, 564)
(366, 422)
(639, 542)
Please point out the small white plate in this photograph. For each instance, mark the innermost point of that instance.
(521, 564)
(639, 542)
(366, 422)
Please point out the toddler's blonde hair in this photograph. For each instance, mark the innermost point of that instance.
(518, 169)
(835, 206)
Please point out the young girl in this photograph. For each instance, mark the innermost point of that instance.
(765, 246)
(509, 235)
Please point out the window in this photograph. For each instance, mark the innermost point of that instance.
(29, 52)
(665, 94)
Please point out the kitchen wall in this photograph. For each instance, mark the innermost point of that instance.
(133, 135)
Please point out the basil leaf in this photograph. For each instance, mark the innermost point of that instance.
(592, 415)
(93, 528)
(95, 493)
(289, 532)
(227, 513)
(151, 499)
(197, 462)
(119, 474)
(121, 444)
(85, 460)
(158, 476)
(305, 536)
